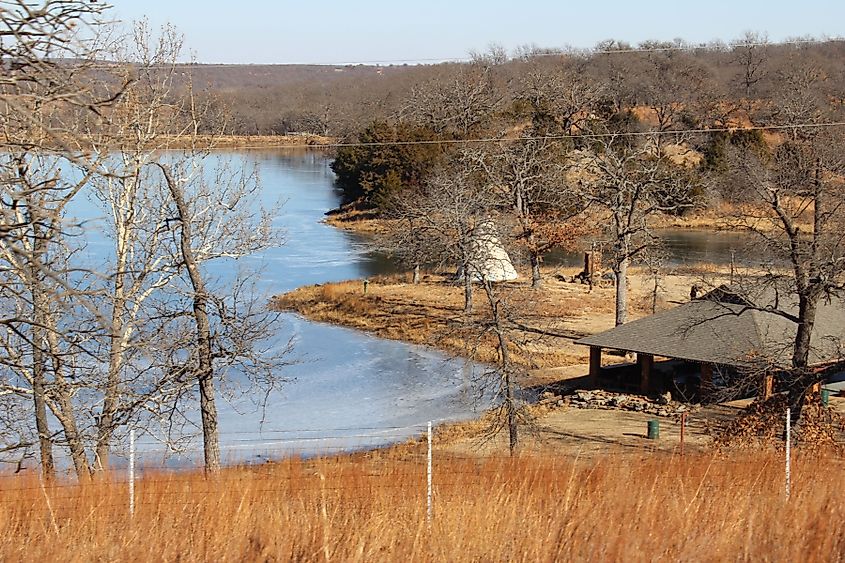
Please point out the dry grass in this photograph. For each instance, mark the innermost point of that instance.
(655, 507)
(432, 313)
(251, 141)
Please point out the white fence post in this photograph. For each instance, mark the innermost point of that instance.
(131, 472)
(428, 496)
(788, 447)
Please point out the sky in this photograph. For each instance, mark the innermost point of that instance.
(351, 31)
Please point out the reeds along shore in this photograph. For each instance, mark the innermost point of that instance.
(622, 508)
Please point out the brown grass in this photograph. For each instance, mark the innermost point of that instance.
(432, 313)
(653, 507)
(250, 141)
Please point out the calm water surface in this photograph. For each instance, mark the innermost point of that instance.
(349, 390)
(346, 390)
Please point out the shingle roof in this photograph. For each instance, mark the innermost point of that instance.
(721, 328)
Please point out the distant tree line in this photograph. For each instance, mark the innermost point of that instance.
(342, 100)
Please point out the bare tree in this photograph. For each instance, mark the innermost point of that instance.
(559, 99)
(797, 210)
(459, 103)
(526, 176)
(631, 181)
(141, 123)
(750, 54)
(456, 220)
(45, 85)
(218, 219)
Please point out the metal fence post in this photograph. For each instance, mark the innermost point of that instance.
(132, 472)
(428, 489)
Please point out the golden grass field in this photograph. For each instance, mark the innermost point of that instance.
(653, 507)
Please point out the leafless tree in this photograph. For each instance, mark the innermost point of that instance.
(751, 56)
(797, 210)
(456, 220)
(632, 181)
(559, 99)
(527, 177)
(48, 52)
(459, 103)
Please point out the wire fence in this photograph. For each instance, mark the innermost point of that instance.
(434, 474)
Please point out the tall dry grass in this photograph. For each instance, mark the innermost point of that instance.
(525, 509)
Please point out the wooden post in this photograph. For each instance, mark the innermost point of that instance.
(646, 362)
(592, 265)
(767, 388)
(595, 365)
(705, 383)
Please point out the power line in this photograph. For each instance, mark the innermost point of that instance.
(481, 140)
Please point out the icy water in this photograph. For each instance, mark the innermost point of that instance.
(347, 390)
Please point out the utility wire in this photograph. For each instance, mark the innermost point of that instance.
(481, 140)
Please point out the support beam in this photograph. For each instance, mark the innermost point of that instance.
(595, 365)
(705, 383)
(646, 363)
(767, 387)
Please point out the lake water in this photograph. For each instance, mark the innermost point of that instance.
(349, 390)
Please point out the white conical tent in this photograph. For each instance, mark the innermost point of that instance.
(488, 258)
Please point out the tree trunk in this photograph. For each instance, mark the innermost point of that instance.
(63, 409)
(467, 292)
(802, 377)
(39, 368)
(42, 427)
(620, 272)
(416, 278)
(205, 369)
(536, 279)
(511, 406)
(807, 316)
(74, 439)
(105, 425)
(210, 430)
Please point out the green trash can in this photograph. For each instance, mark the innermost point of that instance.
(653, 429)
(825, 397)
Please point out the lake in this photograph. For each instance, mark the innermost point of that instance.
(348, 390)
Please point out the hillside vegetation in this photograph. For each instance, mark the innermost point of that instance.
(341, 99)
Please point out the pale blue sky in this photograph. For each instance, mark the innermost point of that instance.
(334, 31)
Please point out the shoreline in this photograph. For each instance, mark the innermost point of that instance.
(712, 220)
(431, 314)
(428, 315)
